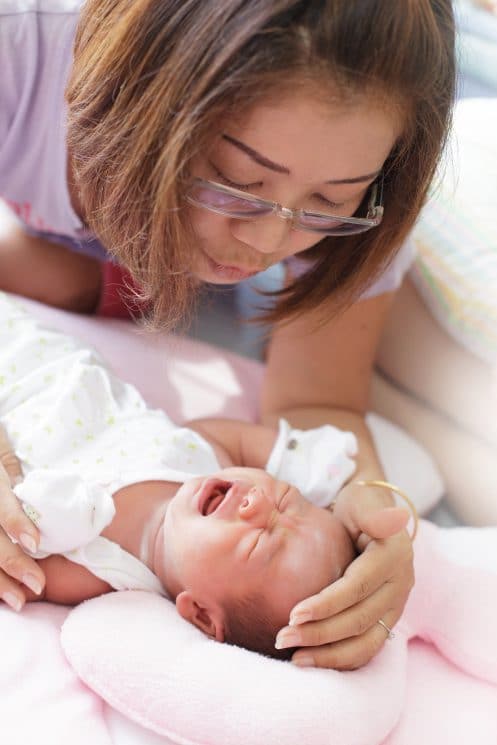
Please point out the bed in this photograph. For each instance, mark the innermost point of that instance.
(42, 698)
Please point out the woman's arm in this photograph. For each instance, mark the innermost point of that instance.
(319, 374)
(46, 271)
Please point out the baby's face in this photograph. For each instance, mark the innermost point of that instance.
(242, 531)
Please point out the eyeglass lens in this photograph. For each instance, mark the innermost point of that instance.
(230, 204)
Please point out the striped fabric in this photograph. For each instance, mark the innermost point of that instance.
(456, 235)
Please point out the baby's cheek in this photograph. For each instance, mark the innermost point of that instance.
(205, 546)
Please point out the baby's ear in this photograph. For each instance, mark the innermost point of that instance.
(209, 619)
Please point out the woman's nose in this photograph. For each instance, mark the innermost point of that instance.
(266, 235)
(256, 507)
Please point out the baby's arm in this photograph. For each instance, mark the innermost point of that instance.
(318, 461)
(67, 583)
(237, 443)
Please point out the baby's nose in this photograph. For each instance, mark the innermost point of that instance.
(256, 506)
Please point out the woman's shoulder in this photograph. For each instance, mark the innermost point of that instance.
(393, 274)
(31, 37)
(388, 280)
(38, 7)
(36, 41)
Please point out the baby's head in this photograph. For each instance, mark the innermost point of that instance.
(240, 549)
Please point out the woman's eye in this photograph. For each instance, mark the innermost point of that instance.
(229, 182)
(327, 203)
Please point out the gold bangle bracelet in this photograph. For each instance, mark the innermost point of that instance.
(396, 490)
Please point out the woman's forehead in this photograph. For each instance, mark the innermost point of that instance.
(294, 133)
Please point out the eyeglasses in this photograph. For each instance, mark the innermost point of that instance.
(225, 200)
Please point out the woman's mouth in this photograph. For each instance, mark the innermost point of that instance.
(229, 273)
(212, 494)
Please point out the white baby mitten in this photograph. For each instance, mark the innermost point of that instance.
(68, 511)
(317, 461)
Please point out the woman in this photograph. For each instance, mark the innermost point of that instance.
(207, 141)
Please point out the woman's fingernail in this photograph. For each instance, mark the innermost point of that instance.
(30, 581)
(28, 542)
(12, 601)
(301, 617)
(287, 639)
(304, 660)
(17, 480)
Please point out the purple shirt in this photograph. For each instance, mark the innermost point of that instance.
(36, 38)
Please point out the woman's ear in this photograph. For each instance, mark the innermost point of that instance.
(207, 618)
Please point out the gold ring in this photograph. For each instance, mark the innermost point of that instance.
(390, 634)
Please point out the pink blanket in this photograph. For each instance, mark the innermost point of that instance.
(42, 698)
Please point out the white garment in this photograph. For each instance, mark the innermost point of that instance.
(317, 461)
(81, 434)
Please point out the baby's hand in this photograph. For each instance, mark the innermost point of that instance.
(16, 568)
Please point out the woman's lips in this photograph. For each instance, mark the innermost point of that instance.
(229, 273)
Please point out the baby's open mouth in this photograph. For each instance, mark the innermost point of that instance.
(212, 494)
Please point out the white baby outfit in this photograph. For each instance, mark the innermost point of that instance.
(81, 434)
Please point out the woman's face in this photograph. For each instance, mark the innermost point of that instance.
(295, 151)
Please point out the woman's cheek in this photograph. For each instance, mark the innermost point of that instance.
(206, 225)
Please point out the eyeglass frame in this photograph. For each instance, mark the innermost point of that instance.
(373, 217)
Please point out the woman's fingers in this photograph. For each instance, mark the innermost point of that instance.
(16, 566)
(12, 466)
(17, 569)
(353, 622)
(341, 629)
(13, 520)
(380, 562)
(338, 627)
(8, 458)
(347, 654)
(385, 523)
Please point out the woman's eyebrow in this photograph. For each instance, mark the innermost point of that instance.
(263, 161)
(356, 179)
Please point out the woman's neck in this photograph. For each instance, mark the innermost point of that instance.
(140, 510)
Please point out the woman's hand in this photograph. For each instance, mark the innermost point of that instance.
(16, 568)
(338, 628)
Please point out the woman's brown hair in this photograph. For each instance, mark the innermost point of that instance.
(153, 79)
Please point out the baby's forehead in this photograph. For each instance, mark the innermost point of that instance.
(301, 557)
(277, 591)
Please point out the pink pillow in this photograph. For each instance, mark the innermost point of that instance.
(134, 650)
